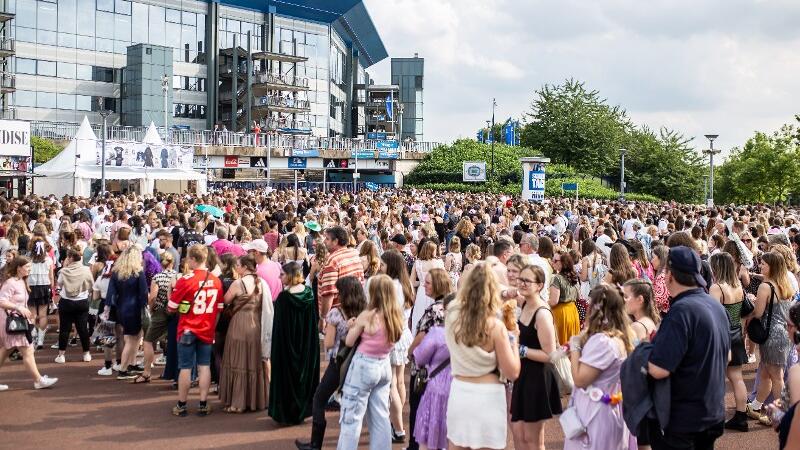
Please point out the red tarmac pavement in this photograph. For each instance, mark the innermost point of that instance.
(88, 411)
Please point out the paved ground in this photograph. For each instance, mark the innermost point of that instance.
(87, 411)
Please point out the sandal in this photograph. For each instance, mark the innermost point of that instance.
(141, 379)
(232, 410)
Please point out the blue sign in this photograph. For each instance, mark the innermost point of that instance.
(569, 186)
(511, 132)
(297, 163)
(387, 144)
(363, 154)
(306, 152)
(480, 136)
(376, 136)
(371, 186)
(388, 155)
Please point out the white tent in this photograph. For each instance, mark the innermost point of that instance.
(72, 170)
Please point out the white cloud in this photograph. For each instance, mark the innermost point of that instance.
(722, 66)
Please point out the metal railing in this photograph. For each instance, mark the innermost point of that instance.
(275, 78)
(9, 113)
(250, 185)
(65, 131)
(282, 102)
(274, 123)
(8, 81)
(8, 45)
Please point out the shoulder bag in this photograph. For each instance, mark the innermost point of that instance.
(756, 330)
(15, 323)
(747, 305)
(343, 358)
(421, 377)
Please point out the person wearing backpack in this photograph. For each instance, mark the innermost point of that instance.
(593, 268)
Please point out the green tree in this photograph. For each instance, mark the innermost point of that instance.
(44, 149)
(573, 125)
(766, 169)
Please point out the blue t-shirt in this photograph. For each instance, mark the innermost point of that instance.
(692, 343)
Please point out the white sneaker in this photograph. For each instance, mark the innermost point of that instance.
(60, 359)
(116, 367)
(54, 346)
(161, 361)
(45, 382)
(87, 357)
(3, 387)
(105, 372)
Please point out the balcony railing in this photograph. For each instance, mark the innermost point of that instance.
(9, 113)
(65, 131)
(288, 80)
(8, 82)
(8, 45)
(277, 101)
(282, 123)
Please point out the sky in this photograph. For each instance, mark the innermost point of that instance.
(726, 67)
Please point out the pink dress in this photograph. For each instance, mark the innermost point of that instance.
(14, 291)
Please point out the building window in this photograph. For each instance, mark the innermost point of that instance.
(26, 66)
(46, 68)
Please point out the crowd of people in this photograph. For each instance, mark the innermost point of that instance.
(625, 321)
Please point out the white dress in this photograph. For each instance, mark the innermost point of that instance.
(422, 301)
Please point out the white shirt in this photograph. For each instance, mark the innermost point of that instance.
(537, 260)
(627, 228)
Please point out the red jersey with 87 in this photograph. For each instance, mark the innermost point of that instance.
(201, 319)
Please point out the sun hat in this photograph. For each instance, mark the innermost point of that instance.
(313, 226)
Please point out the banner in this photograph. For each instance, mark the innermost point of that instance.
(306, 152)
(376, 136)
(297, 163)
(474, 171)
(133, 154)
(15, 138)
(391, 145)
(533, 181)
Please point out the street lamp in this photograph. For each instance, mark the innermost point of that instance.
(622, 153)
(711, 152)
(104, 113)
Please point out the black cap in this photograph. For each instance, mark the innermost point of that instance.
(685, 260)
(399, 239)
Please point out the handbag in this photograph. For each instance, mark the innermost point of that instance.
(15, 323)
(421, 378)
(571, 423)
(563, 371)
(747, 306)
(343, 358)
(756, 330)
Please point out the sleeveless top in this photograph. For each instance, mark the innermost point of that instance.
(375, 344)
(466, 361)
(164, 282)
(528, 336)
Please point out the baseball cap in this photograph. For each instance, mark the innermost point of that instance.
(258, 245)
(399, 239)
(685, 260)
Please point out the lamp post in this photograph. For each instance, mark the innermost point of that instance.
(494, 105)
(165, 88)
(622, 153)
(104, 113)
(711, 152)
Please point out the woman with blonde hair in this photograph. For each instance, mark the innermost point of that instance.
(127, 296)
(479, 345)
(454, 260)
(465, 230)
(368, 380)
(597, 355)
(426, 261)
(472, 255)
(772, 305)
(369, 258)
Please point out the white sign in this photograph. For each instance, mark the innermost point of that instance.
(15, 138)
(533, 178)
(474, 171)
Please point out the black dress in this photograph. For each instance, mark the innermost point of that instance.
(535, 395)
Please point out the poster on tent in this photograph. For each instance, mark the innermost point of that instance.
(133, 154)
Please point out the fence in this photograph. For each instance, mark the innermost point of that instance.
(287, 185)
(62, 131)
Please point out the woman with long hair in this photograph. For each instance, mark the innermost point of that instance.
(454, 260)
(479, 345)
(127, 295)
(596, 356)
(41, 282)
(295, 349)
(426, 261)
(369, 258)
(658, 261)
(563, 295)
(14, 300)
(620, 269)
(776, 289)
(465, 230)
(242, 383)
(75, 286)
(728, 290)
(641, 307)
(351, 302)
(472, 255)
(535, 396)
(366, 388)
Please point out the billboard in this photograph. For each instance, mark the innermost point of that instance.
(15, 138)
(474, 171)
(133, 154)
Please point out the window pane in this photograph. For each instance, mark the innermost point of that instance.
(86, 21)
(123, 7)
(46, 37)
(26, 13)
(85, 42)
(25, 98)
(122, 28)
(46, 68)
(105, 25)
(105, 5)
(105, 45)
(66, 16)
(83, 102)
(139, 21)
(189, 18)
(66, 70)
(83, 72)
(173, 15)
(66, 40)
(173, 35)
(26, 34)
(26, 66)
(66, 101)
(157, 27)
(46, 99)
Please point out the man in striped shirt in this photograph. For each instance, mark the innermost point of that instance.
(342, 262)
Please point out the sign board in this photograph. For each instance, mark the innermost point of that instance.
(569, 186)
(387, 145)
(306, 152)
(388, 155)
(231, 162)
(259, 162)
(474, 171)
(297, 163)
(363, 154)
(335, 163)
(376, 136)
(134, 154)
(15, 138)
(533, 178)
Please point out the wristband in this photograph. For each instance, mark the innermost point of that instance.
(523, 351)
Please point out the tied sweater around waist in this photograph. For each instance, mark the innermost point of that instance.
(466, 361)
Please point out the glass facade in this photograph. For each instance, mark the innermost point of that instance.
(409, 74)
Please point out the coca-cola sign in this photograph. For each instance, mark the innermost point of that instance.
(15, 138)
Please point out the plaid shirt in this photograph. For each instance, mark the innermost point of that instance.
(344, 262)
